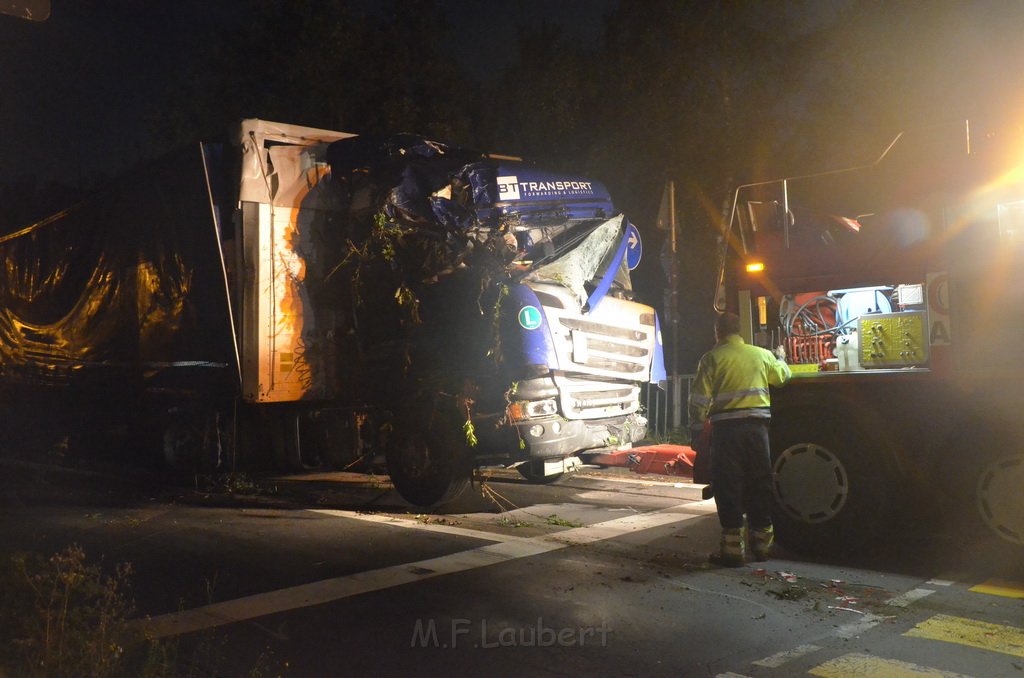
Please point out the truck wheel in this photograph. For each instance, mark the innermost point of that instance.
(997, 497)
(196, 442)
(427, 459)
(831, 483)
(533, 471)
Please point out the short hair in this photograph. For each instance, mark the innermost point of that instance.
(726, 324)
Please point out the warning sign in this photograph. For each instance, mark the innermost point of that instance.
(938, 308)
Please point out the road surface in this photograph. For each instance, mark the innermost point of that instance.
(602, 574)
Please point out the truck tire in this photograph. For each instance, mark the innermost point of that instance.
(998, 498)
(427, 457)
(982, 500)
(196, 442)
(832, 482)
(533, 471)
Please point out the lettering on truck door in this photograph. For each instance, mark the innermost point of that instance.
(938, 308)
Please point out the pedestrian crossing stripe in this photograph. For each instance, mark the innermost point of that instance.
(1000, 587)
(780, 658)
(867, 666)
(909, 597)
(971, 632)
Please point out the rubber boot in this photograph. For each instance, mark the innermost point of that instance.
(733, 549)
(762, 539)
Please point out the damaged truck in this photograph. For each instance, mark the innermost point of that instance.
(295, 298)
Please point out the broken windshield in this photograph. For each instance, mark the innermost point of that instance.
(584, 259)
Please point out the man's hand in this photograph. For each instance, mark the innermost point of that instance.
(780, 352)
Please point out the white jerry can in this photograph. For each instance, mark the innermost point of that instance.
(848, 352)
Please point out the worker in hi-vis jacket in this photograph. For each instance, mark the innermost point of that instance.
(731, 390)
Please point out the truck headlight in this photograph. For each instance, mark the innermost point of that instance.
(530, 409)
(541, 408)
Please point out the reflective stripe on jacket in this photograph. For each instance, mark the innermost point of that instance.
(732, 381)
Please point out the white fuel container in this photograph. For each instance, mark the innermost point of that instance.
(848, 352)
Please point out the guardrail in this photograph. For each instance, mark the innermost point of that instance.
(665, 407)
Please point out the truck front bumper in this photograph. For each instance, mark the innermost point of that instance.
(555, 437)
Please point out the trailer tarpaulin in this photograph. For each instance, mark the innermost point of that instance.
(129, 281)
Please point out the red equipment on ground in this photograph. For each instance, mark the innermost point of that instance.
(669, 460)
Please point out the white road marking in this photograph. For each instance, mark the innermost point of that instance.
(414, 524)
(643, 482)
(852, 630)
(780, 658)
(327, 590)
(940, 582)
(909, 597)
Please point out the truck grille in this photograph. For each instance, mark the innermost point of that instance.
(608, 350)
(587, 399)
(605, 330)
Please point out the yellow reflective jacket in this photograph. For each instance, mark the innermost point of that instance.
(732, 382)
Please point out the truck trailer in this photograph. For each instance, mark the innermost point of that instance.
(293, 298)
(896, 289)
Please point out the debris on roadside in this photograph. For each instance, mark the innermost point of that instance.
(825, 596)
(789, 593)
(788, 579)
(428, 519)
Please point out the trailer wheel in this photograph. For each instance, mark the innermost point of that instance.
(196, 442)
(427, 457)
(533, 471)
(831, 483)
(998, 500)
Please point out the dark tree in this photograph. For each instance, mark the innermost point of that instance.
(27, 199)
(325, 64)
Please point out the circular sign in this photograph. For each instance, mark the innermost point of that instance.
(634, 248)
(530, 317)
(938, 294)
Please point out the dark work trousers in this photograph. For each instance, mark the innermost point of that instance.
(741, 472)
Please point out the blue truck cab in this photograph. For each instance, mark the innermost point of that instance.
(577, 345)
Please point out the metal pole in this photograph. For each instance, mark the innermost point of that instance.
(663, 406)
(785, 210)
(674, 423)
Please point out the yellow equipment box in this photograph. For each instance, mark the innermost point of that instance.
(893, 339)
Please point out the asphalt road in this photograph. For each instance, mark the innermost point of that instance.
(601, 574)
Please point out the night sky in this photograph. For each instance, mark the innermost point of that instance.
(79, 88)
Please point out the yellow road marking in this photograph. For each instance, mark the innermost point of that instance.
(1000, 587)
(995, 637)
(856, 665)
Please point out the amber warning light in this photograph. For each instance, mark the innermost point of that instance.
(755, 267)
